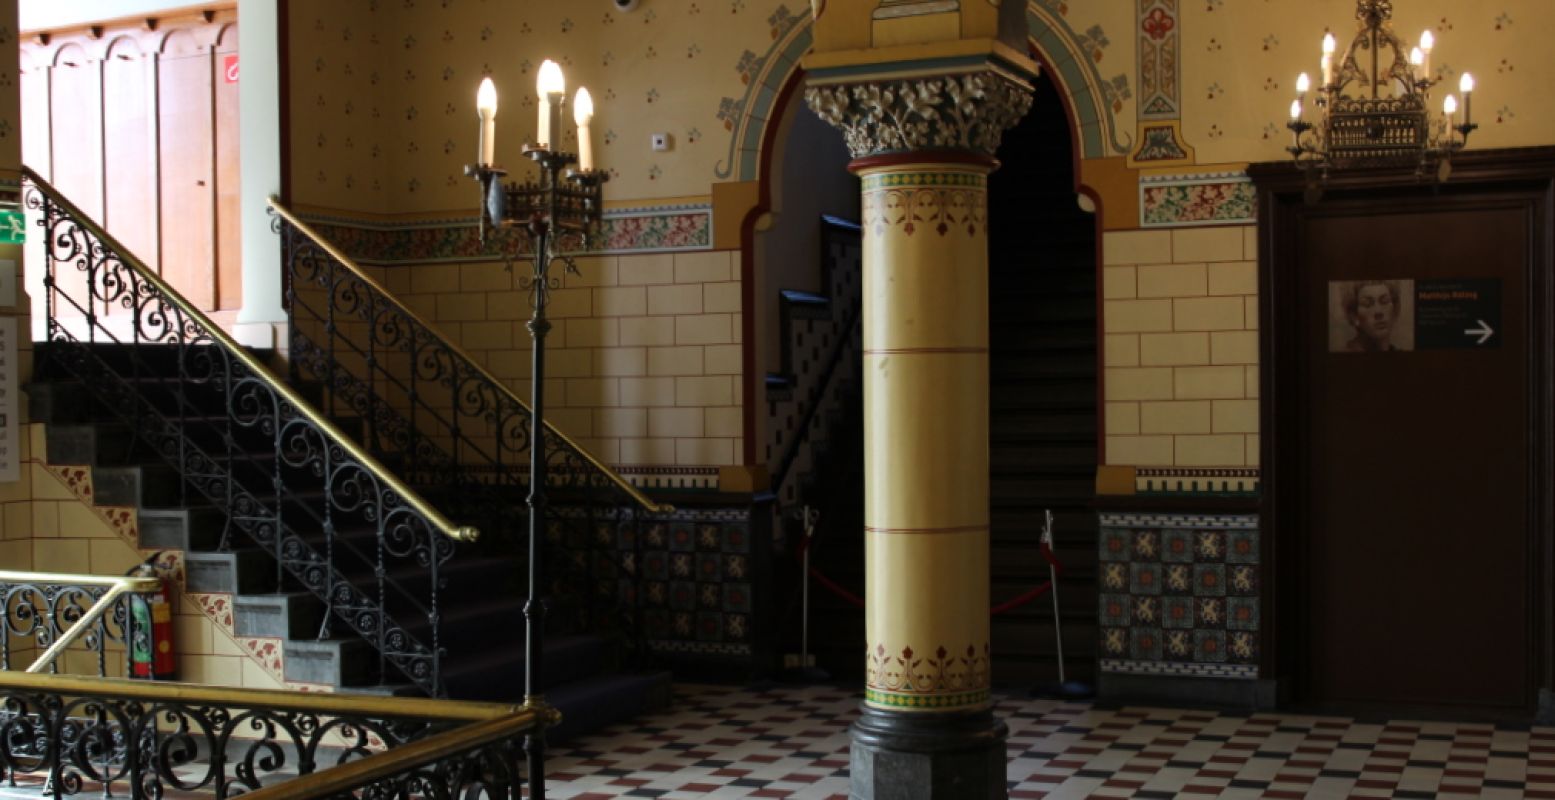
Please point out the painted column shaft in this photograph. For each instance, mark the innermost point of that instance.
(926, 435)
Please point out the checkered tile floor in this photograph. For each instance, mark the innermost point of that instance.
(793, 743)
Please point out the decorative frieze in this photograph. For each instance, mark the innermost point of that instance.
(939, 679)
(957, 112)
(935, 202)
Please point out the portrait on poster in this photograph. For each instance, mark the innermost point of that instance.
(1371, 316)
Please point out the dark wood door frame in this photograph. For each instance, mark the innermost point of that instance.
(1523, 175)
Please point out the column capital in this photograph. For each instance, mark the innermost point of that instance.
(967, 112)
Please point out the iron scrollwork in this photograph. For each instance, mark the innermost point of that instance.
(286, 481)
(37, 614)
(71, 741)
(457, 431)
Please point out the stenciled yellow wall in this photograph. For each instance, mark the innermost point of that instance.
(383, 93)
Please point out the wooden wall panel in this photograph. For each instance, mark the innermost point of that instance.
(129, 149)
(36, 144)
(186, 153)
(229, 246)
(137, 124)
(76, 103)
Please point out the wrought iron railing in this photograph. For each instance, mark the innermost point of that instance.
(453, 428)
(238, 438)
(48, 612)
(150, 739)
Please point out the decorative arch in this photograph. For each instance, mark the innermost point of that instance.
(1058, 48)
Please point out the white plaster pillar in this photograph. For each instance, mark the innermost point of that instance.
(259, 112)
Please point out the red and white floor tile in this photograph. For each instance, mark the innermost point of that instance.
(792, 742)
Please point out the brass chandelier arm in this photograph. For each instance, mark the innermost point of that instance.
(434, 518)
(336, 253)
(117, 588)
(399, 762)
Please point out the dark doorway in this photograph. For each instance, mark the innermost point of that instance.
(1042, 371)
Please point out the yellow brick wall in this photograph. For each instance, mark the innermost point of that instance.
(46, 527)
(644, 358)
(1180, 350)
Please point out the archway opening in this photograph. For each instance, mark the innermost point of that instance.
(1043, 394)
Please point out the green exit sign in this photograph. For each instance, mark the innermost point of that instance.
(13, 227)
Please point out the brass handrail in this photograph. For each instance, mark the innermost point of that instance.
(346, 261)
(313, 702)
(117, 587)
(338, 780)
(433, 517)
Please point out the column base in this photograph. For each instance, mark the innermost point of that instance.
(928, 756)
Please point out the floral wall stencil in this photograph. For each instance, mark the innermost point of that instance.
(389, 85)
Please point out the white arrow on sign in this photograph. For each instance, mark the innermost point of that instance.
(1484, 331)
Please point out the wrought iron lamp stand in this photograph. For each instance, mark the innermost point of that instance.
(561, 213)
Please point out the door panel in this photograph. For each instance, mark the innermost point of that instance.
(186, 152)
(1419, 473)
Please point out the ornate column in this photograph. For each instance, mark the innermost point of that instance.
(923, 148)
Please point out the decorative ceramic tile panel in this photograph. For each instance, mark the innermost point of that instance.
(1223, 198)
(634, 230)
(691, 578)
(1179, 594)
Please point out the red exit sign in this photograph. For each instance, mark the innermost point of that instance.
(229, 68)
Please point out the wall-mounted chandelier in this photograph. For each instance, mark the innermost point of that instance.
(1374, 103)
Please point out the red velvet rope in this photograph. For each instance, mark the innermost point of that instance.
(1009, 605)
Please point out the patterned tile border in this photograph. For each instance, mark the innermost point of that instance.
(1180, 669)
(1120, 519)
(626, 231)
(1180, 481)
(1178, 201)
(900, 700)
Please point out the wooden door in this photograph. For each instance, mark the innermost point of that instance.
(186, 154)
(1407, 453)
(1418, 576)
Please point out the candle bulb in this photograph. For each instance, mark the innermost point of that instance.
(550, 86)
(1417, 63)
(583, 114)
(1303, 83)
(1427, 41)
(1329, 45)
(1449, 108)
(486, 106)
(1466, 86)
(1295, 110)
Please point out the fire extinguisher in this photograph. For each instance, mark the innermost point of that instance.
(151, 629)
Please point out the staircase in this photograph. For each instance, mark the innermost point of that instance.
(815, 447)
(1043, 396)
(328, 537)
